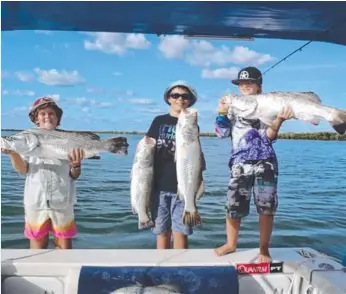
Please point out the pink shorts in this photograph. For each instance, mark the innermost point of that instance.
(38, 223)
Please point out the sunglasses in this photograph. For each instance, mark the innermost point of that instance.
(184, 96)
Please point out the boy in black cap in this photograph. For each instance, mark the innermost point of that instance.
(253, 165)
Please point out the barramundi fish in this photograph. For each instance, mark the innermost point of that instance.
(307, 106)
(189, 163)
(142, 175)
(48, 143)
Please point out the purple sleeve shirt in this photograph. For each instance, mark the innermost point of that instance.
(249, 138)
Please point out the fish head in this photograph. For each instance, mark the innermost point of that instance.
(243, 106)
(21, 143)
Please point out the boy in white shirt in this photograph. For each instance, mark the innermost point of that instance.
(50, 190)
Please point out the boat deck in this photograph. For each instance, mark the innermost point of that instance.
(95, 271)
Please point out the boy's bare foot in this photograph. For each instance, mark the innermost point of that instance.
(264, 255)
(224, 249)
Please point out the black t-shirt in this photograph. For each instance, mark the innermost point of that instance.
(163, 130)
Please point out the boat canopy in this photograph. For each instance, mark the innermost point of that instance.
(313, 21)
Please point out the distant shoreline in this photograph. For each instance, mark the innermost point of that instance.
(321, 136)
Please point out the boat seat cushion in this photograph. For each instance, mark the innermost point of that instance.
(185, 279)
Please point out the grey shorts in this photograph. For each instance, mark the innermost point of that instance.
(167, 213)
(259, 178)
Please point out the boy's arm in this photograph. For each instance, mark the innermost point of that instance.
(18, 163)
(75, 158)
(222, 126)
(273, 130)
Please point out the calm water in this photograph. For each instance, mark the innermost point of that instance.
(312, 201)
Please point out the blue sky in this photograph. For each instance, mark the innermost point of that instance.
(116, 81)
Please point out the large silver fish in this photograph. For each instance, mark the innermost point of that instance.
(59, 143)
(142, 174)
(189, 163)
(306, 106)
(160, 289)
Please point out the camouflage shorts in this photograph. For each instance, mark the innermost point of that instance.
(259, 178)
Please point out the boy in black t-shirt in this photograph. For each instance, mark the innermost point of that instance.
(166, 208)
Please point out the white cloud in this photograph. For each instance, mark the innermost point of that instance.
(56, 97)
(104, 104)
(141, 101)
(54, 77)
(18, 93)
(243, 55)
(153, 110)
(90, 103)
(203, 53)
(116, 43)
(21, 109)
(94, 90)
(173, 46)
(116, 73)
(220, 73)
(24, 77)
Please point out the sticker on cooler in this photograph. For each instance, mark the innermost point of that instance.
(259, 268)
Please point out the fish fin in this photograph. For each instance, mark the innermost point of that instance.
(311, 96)
(314, 121)
(266, 119)
(338, 121)
(192, 219)
(200, 191)
(118, 145)
(90, 135)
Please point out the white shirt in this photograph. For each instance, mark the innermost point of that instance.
(48, 184)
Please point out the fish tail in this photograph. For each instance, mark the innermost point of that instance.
(192, 219)
(146, 225)
(117, 145)
(338, 121)
(144, 222)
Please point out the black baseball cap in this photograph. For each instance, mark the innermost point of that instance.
(249, 74)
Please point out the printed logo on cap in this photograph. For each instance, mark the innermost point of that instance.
(244, 75)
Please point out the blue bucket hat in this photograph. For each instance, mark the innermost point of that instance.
(184, 84)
